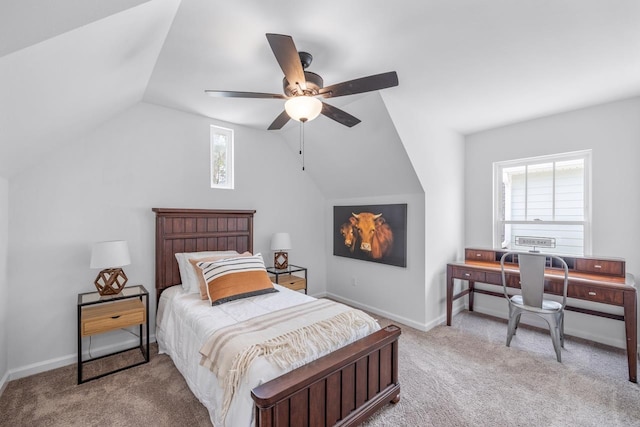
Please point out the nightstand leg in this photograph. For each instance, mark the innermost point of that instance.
(79, 349)
(147, 322)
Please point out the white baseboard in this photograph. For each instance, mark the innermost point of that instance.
(3, 382)
(457, 308)
(59, 362)
(579, 333)
(392, 316)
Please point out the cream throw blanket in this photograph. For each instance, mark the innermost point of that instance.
(289, 338)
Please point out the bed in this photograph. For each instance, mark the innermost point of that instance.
(343, 387)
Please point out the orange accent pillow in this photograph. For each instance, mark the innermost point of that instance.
(201, 283)
(234, 278)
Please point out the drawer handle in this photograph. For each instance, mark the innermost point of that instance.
(116, 317)
(597, 266)
(467, 274)
(478, 254)
(593, 294)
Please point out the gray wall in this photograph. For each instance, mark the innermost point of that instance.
(612, 131)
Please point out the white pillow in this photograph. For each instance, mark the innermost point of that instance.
(187, 272)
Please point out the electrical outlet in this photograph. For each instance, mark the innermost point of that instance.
(354, 281)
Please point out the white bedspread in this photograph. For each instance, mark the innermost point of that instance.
(185, 322)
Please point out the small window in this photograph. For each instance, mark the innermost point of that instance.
(547, 197)
(221, 157)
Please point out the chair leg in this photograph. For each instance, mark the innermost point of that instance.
(561, 328)
(554, 330)
(515, 330)
(511, 327)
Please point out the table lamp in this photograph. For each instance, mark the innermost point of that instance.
(110, 256)
(280, 243)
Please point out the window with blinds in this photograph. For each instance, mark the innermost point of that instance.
(544, 197)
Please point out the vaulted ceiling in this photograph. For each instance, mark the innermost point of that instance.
(68, 66)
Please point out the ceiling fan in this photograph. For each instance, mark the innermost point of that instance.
(301, 87)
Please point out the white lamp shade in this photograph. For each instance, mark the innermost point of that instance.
(303, 108)
(280, 241)
(111, 254)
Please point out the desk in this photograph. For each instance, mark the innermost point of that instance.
(615, 288)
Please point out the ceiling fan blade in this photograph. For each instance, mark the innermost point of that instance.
(287, 56)
(338, 115)
(235, 94)
(363, 84)
(280, 121)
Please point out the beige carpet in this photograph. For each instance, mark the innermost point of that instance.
(450, 376)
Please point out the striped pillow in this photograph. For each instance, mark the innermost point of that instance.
(234, 278)
(202, 285)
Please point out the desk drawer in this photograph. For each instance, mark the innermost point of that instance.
(479, 255)
(513, 280)
(107, 317)
(590, 293)
(615, 268)
(493, 278)
(468, 274)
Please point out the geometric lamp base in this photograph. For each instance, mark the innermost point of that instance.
(281, 260)
(110, 281)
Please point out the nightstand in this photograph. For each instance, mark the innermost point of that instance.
(98, 314)
(284, 277)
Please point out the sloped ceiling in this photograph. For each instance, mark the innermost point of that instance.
(365, 161)
(465, 65)
(57, 89)
(24, 23)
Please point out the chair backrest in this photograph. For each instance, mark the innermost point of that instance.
(532, 269)
(532, 278)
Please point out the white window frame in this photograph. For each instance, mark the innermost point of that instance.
(215, 132)
(497, 196)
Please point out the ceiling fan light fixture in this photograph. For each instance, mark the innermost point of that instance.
(303, 108)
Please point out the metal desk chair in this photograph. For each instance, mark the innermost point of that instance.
(531, 300)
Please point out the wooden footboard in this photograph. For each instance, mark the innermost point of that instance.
(342, 388)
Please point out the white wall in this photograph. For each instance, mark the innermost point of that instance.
(443, 169)
(367, 160)
(437, 156)
(612, 131)
(436, 228)
(4, 286)
(103, 187)
(391, 291)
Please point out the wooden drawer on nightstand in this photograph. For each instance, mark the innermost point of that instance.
(292, 282)
(107, 317)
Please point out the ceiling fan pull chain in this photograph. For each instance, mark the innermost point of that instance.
(302, 140)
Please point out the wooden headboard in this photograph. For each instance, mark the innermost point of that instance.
(195, 230)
